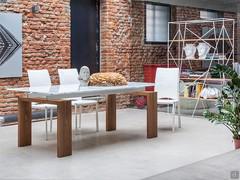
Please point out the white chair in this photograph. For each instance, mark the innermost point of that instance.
(70, 76)
(167, 88)
(39, 78)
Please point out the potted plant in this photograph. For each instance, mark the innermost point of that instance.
(228, 103)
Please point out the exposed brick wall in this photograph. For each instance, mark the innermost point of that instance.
(46, 43)
(122, 41)
(142, 53)
(115, 28)
(115, 36)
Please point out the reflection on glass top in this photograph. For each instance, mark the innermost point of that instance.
(76, 88)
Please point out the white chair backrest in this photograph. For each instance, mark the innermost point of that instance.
(39, 78)
(167, 83)
(68, 76)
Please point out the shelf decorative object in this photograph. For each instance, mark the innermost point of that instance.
(190, 50)
(209, 93)
(84, 76)
(203, 50)
(196, 46)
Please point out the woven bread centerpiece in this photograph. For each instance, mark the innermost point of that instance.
(107, 79)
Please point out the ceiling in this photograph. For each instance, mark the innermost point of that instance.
(221, 5)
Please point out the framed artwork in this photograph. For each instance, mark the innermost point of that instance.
(10, 45)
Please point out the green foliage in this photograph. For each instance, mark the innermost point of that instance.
(228, 104)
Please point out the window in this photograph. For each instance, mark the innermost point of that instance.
(209, 14)
(157, 17)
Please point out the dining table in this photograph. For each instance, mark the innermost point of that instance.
(61, 95)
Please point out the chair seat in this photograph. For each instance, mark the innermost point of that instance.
(43, 106)
(166, 101)
(83, 102)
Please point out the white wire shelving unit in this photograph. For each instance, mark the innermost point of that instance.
(218, 34)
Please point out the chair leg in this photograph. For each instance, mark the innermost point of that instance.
(97, 121)
(80, 116)
(179, 116)
(168, 108)
(173, 113)
(51, 119)
(46, 123)
(75, 117)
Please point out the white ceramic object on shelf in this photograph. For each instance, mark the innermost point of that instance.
(190, 50)
(203, 50)
(209, 93)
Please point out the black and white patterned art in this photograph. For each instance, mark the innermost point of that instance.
(10, 45)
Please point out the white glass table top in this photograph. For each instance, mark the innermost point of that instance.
(75, 90)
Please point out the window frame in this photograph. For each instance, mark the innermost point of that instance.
(145, 22)
(211, 10)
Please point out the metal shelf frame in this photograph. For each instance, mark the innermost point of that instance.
(223, 32)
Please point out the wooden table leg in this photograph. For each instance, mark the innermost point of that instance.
(64, 129)
(111, 112)
(152, 115)
(24, 123)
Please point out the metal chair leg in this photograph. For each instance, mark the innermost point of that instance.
(173, 113)
(168, 108)
(75, 117)
(51, 119)
(179, 116)
(97, 121)
(80, 114)
(46, 123)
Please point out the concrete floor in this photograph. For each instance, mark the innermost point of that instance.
(210, 169)
(123, 154)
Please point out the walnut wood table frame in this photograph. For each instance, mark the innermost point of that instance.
(64, 120)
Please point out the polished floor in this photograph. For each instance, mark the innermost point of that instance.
(123, 154)
(210, 169)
